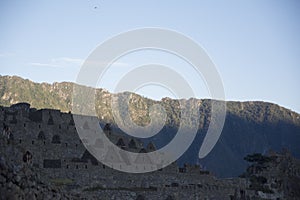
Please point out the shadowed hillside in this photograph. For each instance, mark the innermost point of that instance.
(250, 127)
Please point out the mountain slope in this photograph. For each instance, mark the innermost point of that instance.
(250, 127)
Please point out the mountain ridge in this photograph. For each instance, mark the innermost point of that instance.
(250, 127)
(67, 83)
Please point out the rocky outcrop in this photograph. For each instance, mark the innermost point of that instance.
(274, 176)
(21, 182)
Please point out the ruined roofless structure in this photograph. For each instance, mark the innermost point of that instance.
(51, 138)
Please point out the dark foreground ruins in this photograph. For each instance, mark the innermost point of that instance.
(42, 157)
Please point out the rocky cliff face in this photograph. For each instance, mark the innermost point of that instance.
(249, 127)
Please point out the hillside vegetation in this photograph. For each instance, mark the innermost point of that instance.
(250, 127)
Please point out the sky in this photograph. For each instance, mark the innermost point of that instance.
(255, 45)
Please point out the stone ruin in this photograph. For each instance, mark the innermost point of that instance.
(59, 154)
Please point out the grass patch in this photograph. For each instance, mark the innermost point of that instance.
(61, 181)
(133, 189)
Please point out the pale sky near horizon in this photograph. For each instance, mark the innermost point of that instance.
(255, 45)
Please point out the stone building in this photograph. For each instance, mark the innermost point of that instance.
(58, 153)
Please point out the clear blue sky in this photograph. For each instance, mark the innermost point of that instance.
(254, 44)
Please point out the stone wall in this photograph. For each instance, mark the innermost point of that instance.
(58, 153)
